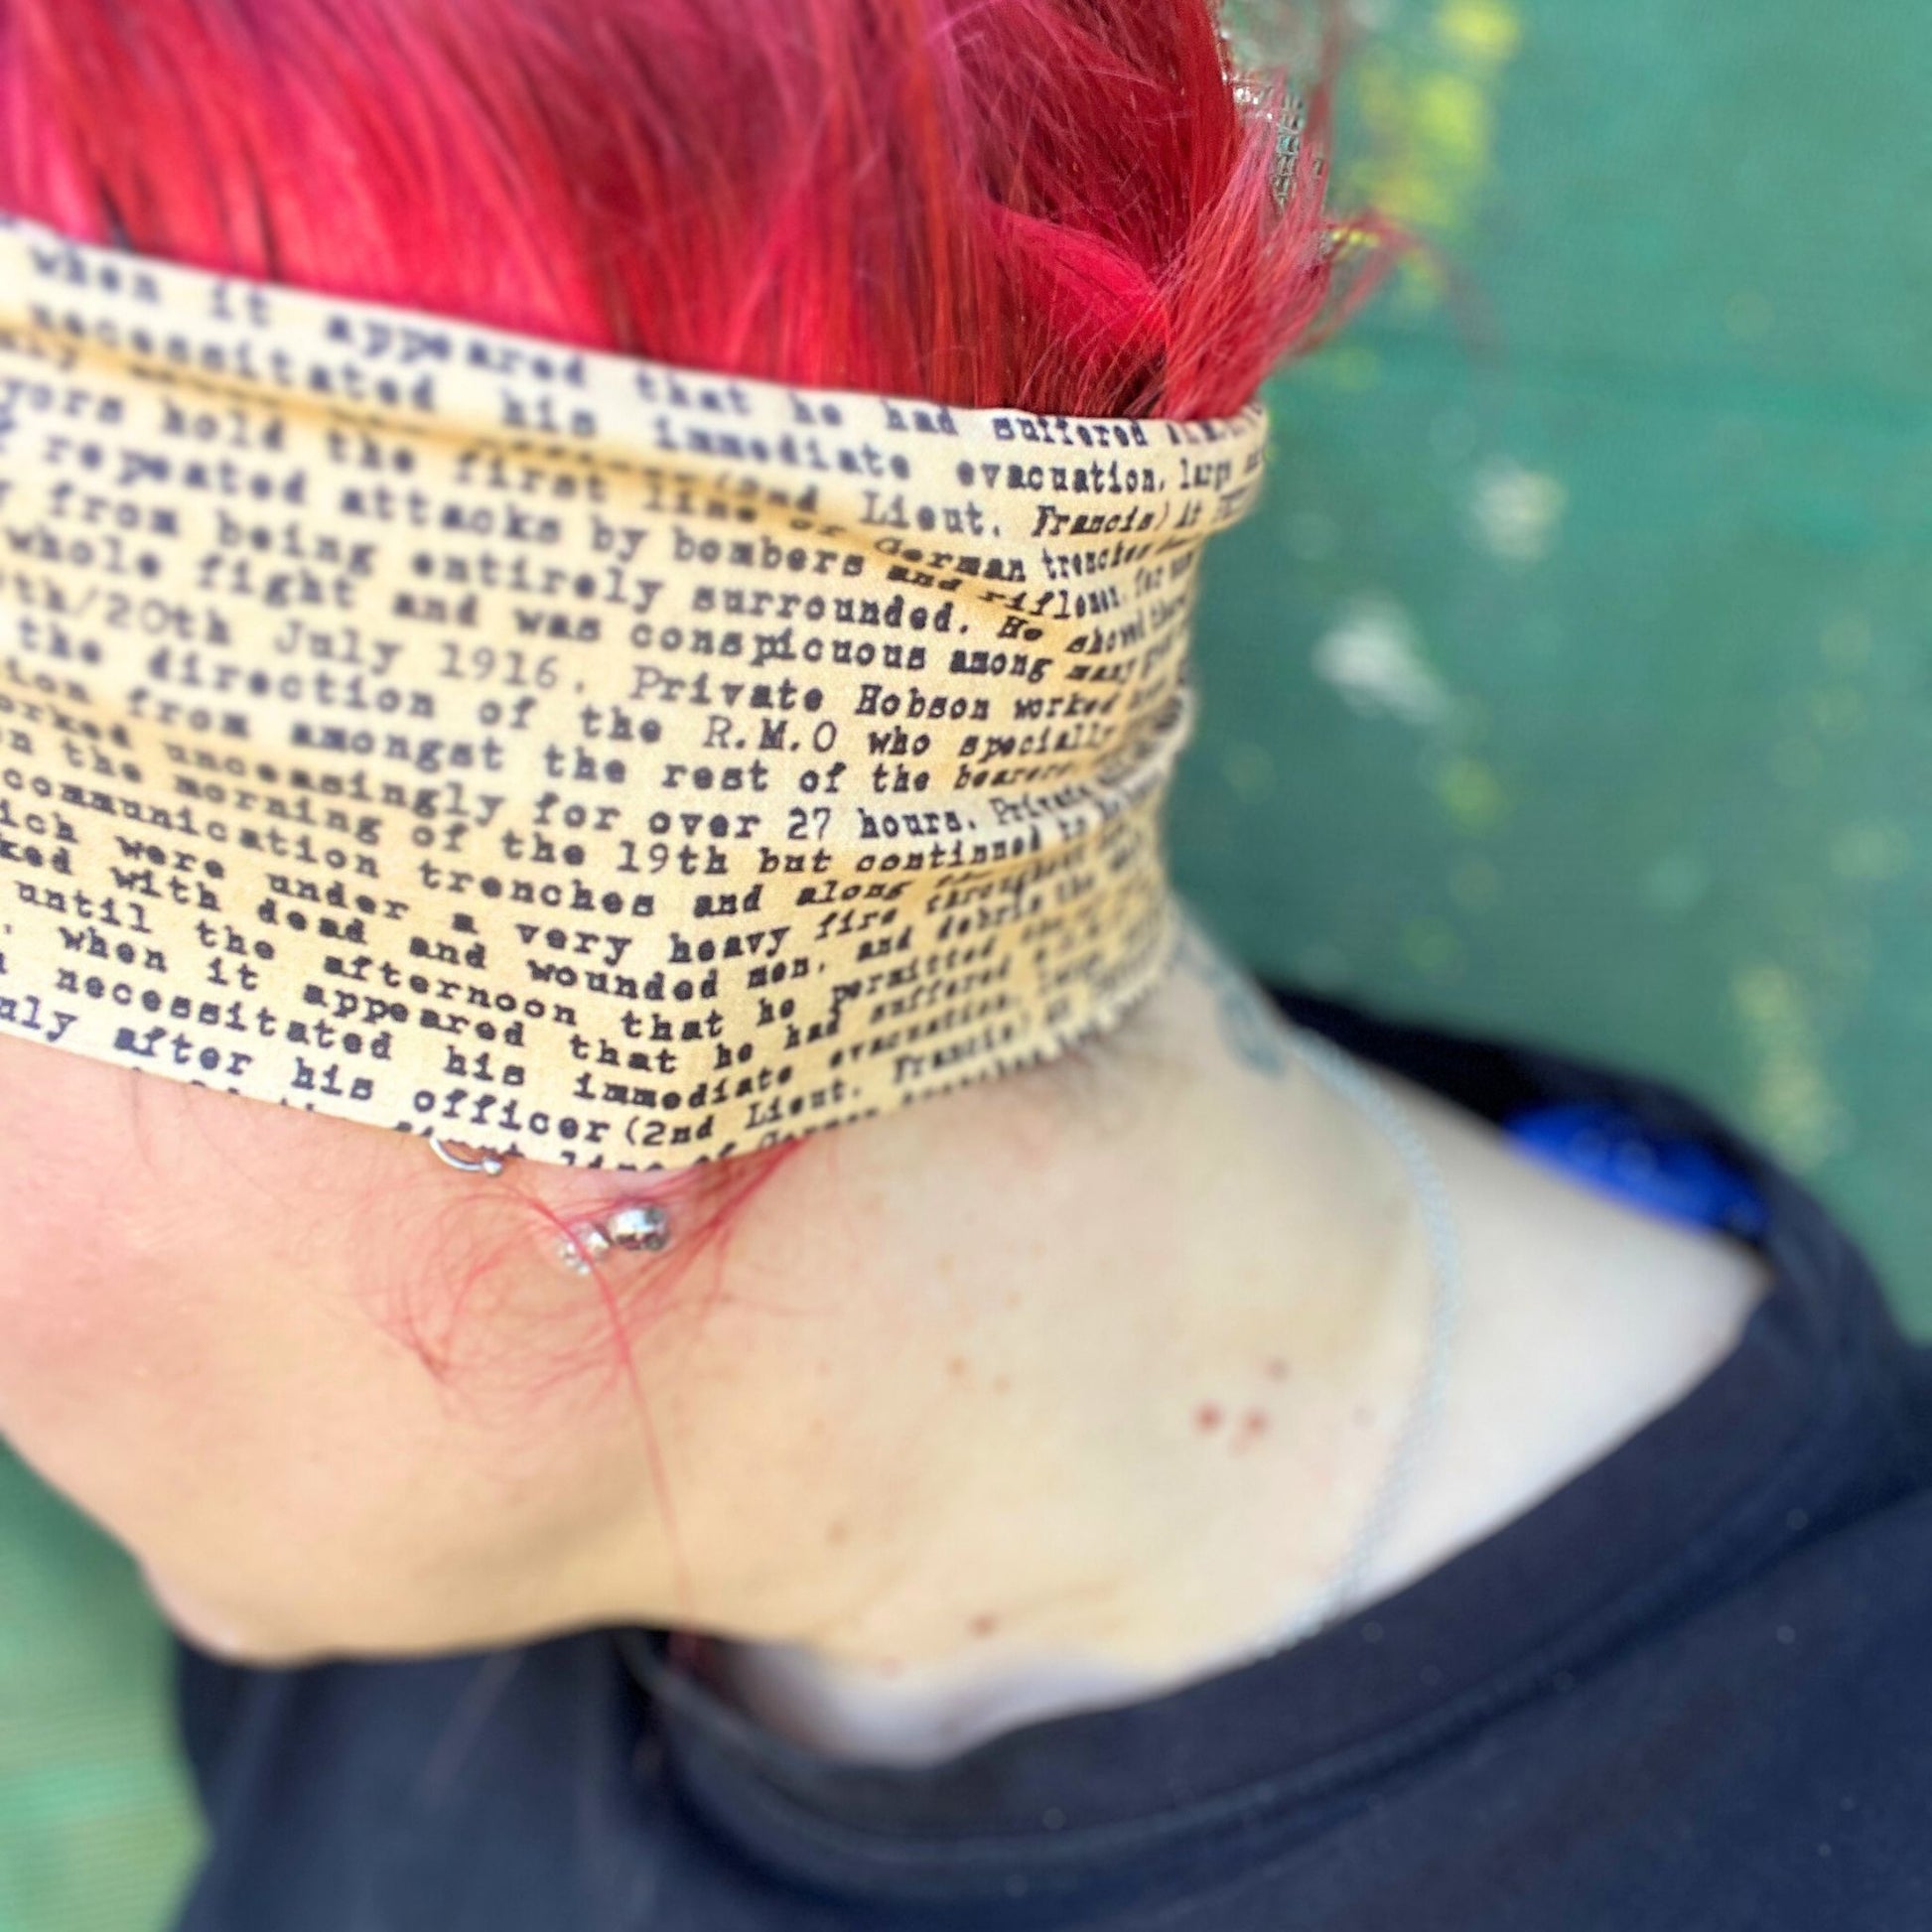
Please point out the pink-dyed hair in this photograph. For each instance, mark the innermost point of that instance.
(1061, 204)
(1052, 203)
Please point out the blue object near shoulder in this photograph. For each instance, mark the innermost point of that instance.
(1607, 1145)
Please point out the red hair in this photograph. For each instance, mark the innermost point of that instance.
(1067, 205)
(1060, 205)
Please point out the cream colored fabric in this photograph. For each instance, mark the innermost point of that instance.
(564, 753)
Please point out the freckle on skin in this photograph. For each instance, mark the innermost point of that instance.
(983, 1624)
(836, 1533)
(1255, 1422)
(956, 1367)
(1207, 1418)
(1277, 1370)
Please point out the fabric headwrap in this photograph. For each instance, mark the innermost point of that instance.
(561, 752)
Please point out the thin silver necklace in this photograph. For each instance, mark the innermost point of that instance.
(1345, 1077)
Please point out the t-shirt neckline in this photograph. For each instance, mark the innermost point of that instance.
(1753, 1458)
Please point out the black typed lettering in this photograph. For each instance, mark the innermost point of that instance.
(578, 942)
(812, 412)
(894, 825)
(542, 414)
(1051, 520)
(924, 580)
(225, 427)
(653, 989)
(1051, 741)
(361, 449)
(30, 344)
(382, 337)
(66, 503)
(1060, 564)
(718, 398)
(485, 570)
(108, 555)
(67, 690)
(763, 942)
(508, 523)
(877, 701)
(91, 943)
(14, 853)
(415, 606)
(919, 419)
(71, 401)
(500, 356)
(885, 512)
(1030, 667)
(291, 541)
(527, 469)
(1063, 704)
(1202, 430)
(380, 503)
(26, 1013)
(1070, 430)
(612, 724)
(347, 646)
(765, 552)
(830, 894)
(211, 475)
(240, 302)
(764, 1115)
(1206, 473)
(1103, 641)
(37, 824)
(893, 511)
(75, 268)
(480, 1065)
(954, 564)
(553, 626)
(621, 540)
(328, 1080)
(445, 952)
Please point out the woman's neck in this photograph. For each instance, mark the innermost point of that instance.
(1156, 1316)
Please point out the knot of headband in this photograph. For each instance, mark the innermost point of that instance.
(560, 752)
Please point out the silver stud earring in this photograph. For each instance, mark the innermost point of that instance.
(640, 1228)
(631, 1228)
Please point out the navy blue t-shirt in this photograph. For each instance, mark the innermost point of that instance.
(1691, 1689)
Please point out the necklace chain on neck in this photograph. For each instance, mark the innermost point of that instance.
(1345, 1077)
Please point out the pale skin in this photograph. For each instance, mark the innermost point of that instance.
(1058, 1390)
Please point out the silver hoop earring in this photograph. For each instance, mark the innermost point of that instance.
(480, 1162)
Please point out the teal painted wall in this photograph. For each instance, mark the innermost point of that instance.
(1573, 679)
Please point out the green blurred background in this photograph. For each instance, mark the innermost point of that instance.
(1573, 681)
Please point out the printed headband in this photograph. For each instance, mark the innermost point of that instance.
(561, 752)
